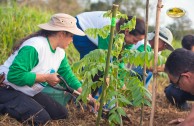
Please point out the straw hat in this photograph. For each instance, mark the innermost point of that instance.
(165, 35)
(62, 22)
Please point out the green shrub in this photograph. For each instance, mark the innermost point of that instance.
(16, 23)
(20, 21)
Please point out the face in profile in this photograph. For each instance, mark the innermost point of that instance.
(185, 81)
(66, 39)
(162, 45)
(132, 39)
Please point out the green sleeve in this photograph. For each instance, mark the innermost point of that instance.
(66, 72)
(141, 48)
(19, 72)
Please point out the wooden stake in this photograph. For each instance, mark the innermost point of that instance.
(144, 67)
(104, 86)
(154, 87)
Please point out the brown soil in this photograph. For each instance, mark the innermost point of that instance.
(164, 113)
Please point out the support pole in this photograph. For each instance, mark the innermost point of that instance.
(154, 87)
(104, 86)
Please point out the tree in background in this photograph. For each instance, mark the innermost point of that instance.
(181, 27)
(134, 7)
(129, 7)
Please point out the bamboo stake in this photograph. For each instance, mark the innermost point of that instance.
(154, 87)
(144, 67)
(104, 87)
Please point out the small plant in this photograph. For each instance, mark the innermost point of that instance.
(135, 93)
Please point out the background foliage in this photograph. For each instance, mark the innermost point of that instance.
(19, 21)
(179, 27)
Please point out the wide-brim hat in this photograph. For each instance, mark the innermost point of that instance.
(62, 22)
(165, 35)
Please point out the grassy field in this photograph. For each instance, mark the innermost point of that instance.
(17, 22)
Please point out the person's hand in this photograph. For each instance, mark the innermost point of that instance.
(52, 79)
(176, 121)
(159, 68)
(94, 103)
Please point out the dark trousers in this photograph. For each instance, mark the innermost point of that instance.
(38, 109)
(176, 96)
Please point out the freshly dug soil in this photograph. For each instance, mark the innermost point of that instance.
(164, 113)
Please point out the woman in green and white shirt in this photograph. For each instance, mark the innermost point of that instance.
(36, 61)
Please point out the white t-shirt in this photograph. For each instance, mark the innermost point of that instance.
(93, 19)
(47, 61)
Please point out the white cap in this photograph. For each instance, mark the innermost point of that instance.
(165, 35)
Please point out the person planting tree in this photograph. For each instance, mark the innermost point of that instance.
(180, 69)
(34, 63)
(174, 94)
(95, 19)
(165, 40)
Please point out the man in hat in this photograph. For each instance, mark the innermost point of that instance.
(165, 40)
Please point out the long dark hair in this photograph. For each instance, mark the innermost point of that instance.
(41, 32)
(139, 27)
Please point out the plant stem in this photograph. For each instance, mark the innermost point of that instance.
(154, 87)
(145, 49)
(104, 86)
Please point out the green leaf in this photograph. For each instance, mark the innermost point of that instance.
(121, 111)
(118, 118)
(108, 14)
(129, 25)
(124, 100)
(112, 102)
(112, 117)
(138, 100)
(146, 102)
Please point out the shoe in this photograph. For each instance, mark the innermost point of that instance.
(185, 106)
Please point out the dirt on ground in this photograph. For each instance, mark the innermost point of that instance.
(164, 113)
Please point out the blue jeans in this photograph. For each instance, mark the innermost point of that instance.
(139, 70)
(83, 44)
(176, 96)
